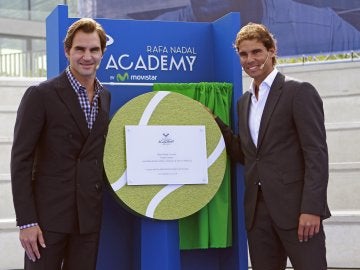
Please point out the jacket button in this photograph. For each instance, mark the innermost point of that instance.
(97, 187)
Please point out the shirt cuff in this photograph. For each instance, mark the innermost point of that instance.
(27, 226)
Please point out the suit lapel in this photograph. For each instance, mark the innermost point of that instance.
(245, 119)
(101, 119)
(273, 98)
(104, 104)
(68, 95)
(102, 113)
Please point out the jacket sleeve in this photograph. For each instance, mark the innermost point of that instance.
(28, 126)
(309, 119)
(232, 141)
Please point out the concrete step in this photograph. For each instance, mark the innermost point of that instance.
(12, 254)
(5, 150)
(343, 141)
(7, 120)
(12, 89)
(342, 108)
(344, 186)
(342, 239)
(329, 78)
(7, 208)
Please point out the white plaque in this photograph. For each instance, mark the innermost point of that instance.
(162, 155)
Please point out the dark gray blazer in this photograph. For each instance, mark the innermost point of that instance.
(56, 163)
(291, 160)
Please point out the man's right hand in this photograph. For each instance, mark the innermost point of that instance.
(29, 238)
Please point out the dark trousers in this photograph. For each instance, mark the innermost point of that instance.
(269, 246)
(66, 252)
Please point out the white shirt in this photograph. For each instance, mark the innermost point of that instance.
(257, 105)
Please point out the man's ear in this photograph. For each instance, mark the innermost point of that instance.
(66, 51)
(272, 51)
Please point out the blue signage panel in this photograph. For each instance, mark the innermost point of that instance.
(153, 51)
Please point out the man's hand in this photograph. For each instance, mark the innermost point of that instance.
(308, 226)
(29, 238)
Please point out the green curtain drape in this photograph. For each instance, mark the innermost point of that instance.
(211, 227)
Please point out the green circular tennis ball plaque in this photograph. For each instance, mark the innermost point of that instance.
(163, 202)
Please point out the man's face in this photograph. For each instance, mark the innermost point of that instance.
(84, 55)
(255, 59)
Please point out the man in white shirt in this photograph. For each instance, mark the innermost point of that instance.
(282, 144)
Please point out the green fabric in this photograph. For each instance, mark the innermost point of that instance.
(211, 227)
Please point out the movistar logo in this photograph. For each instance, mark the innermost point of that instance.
(121, 78)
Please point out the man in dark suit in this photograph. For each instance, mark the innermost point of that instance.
(57, 158)
(282, 144)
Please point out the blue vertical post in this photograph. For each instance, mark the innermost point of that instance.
(228, 69)
(56, 26)
(159, 245)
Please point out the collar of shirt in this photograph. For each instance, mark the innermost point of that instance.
(77, 86)
(90, 109)
(265, 84)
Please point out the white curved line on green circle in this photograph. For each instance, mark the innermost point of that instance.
(118, 184)
(170, 188)
(165, 191)
(151, 107)
(217, 152)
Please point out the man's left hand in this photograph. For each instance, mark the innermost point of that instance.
(309, 225)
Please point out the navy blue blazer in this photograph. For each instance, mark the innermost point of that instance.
(56, 162)
(291, 158)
